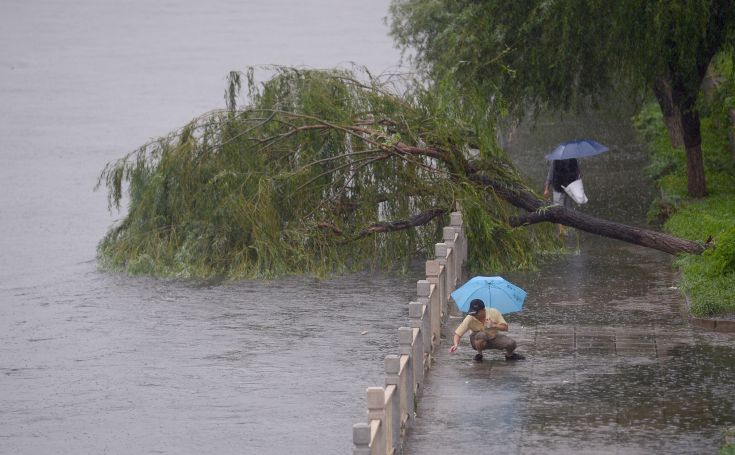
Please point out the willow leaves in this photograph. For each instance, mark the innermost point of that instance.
(318, 172)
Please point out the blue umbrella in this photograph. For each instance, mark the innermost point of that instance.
(495, 291)
(576, 149)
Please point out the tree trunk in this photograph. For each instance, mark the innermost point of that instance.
(684, 99)
(643, 237)
(731, 132)
(696, 184)
(540, 211)
(671, 114)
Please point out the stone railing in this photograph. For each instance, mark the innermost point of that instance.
(391, 408)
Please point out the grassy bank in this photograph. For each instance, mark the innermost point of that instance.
(708, 279)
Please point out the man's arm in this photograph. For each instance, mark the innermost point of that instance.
(456, 343)
(549, 177)
(503, 327)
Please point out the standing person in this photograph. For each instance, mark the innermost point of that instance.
(484, 324)
(561, 173)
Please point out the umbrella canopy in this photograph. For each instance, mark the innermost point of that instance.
(495, 291)
(576, 149)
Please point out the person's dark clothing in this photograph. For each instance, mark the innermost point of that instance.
(562, 173)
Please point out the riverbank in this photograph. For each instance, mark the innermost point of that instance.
(708, 280)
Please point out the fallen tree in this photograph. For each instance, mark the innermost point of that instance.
(541, 212)
(324, 171)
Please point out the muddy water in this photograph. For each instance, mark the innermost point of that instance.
(612, 365)
(121, 365)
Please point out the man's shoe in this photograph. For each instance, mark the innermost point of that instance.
(515, 356)
(478, 358)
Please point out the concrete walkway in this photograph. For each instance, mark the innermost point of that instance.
(613, 367)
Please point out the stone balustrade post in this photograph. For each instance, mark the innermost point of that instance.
(455, 219)
(451, 236)
(417, 320)
(396, 411)
(376, 411)
(444, 258)
(434, 276)
(361, 439)
(423, 291)
(458, 222)
(406, 347)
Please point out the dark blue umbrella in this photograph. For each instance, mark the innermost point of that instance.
(576, 149)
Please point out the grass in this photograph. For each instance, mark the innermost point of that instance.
(708, 279)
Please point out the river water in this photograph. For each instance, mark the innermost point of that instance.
(97, 363)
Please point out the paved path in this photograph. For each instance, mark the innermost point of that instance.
(619, 371)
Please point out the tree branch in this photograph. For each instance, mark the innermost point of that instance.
(399, 225)
(386, 226)
(541, 211)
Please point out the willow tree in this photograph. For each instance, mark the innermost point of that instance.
(560, 54)
(324, 171)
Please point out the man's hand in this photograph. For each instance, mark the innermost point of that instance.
(453, 349)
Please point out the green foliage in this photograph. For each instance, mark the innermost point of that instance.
(668, 165)
(708, 279)
(723, 256)
(698, 219)
(563, 53)
(307, 178)
(710, 295)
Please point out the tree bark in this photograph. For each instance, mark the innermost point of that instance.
(540, 211)
(643, 237)
(671, 114)
(696, 184)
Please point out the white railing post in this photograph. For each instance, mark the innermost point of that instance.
(433, 276)
(361, 439)
(450, 236)
(392, 379)
(443, 255)
(416, 312)
(405, 346)
(423, 290)
(456, 221)
(376, 412)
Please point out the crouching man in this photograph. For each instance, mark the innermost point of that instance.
(484, 324)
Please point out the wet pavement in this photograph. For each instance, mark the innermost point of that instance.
(612, 367)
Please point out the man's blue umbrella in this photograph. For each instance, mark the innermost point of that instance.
(576, 149)
(494, 291)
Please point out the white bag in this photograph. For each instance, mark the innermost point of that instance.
(575, 190)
